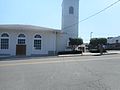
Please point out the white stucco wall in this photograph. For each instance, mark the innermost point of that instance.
(69, 22)
(61, 42)
(48, 42)
(70, 19)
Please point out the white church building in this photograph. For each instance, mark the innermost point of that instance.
(30, 40)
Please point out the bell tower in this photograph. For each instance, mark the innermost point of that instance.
(70, 18)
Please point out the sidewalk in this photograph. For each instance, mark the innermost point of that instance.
(114, 51)
(93, 54)
(109, 52)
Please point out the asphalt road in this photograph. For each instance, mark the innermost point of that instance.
(61, 73)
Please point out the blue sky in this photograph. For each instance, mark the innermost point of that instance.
(47, 13)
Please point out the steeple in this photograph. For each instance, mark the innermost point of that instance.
(70, 17)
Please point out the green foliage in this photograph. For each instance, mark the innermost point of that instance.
(75, 41)
(94, 42)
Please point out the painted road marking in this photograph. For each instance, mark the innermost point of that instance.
(53, 62)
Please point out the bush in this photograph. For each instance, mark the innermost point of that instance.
(69, 52)
(96, 51)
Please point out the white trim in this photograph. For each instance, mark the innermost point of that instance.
(5, 38)
(27, 27)
(3, 33)
(37, 39)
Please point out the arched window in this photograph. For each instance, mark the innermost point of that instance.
(71, 10)
(4, 35)
(21, 35)
(37, 36)
(37, 42)
(4, 41)
(21, 39)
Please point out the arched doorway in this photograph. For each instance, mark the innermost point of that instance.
(21, 45)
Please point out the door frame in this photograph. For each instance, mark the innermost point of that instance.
(22, 53)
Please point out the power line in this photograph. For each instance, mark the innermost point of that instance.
(100, 11)
(93, 14)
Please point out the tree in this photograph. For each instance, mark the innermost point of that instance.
(94, 42)
(74, 42)
(98, 45)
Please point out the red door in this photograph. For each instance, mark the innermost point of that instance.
(21, 50)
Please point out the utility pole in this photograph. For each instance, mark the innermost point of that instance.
(91, 35)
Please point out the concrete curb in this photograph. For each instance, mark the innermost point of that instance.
(3, 58)
(87, 54)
